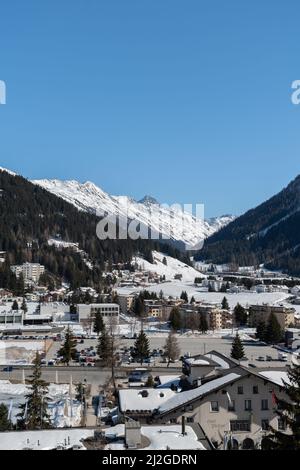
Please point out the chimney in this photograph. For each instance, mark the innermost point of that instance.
(133, 436)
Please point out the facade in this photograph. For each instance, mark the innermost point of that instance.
(86, 312)
(259, 313)
(233, 405)
(125, 302)
(11, 317)
(30, 271)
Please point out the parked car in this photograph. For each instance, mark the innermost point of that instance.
(260, 358)
(7, 369)
(269, 358)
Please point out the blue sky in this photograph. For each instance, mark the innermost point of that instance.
(186, 100)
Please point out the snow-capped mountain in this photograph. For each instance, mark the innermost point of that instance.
(171, 223)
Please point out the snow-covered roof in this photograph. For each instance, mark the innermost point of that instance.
(43, 440)
(160, 437)
(275, 376)
(166, 381)
(197, 362)
(133, 400)
(222, 363)
(190, 395)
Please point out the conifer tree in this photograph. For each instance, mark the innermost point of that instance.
(24, 306)
(225, 305)
(68, 349)
(104, 347)
(34, 412)
(5, 423)
(175, 319)
(98, 324)
(237, 350)
(141, 347)
(192, 301)
(273, 333)
(240, 315)
(184, 296)
(203, 325)
(288, 412)
(261, 331)
(15, 305)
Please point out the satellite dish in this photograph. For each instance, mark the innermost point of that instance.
(295, 360)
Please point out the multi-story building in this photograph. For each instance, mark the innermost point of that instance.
(126, 302)
(87, 313)
(234, 406)
(30, 271)
(261, 313)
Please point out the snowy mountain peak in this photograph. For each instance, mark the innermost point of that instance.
(148, 200)
(174, 225)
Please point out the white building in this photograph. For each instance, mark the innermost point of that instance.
(87, 312)
(30, 271)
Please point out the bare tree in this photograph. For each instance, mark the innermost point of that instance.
(172, 350)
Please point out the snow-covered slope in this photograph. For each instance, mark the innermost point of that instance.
(7, 171)
(173, 223)
(172, 267)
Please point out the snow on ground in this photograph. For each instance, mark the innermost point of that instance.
(63, 411)
(19, 352)
(173, 267)
(43, 440)
(160, 437)
(175, 288)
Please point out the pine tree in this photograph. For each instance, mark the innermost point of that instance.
(171, 348)
(138, 306)
(192, 301)
(203, 325)
(15, 305)
(98, 324)
(261, 331)
(141, 347)
(175, 319)
(240, 315)
(68, 349)
(104, 347)
(24, 306)
(225, 304)
(150, 381)
(274, 333)
(184, 296)
(237, 350)
(165, 261)
(289, 412)
(34, 412)
(5, 423)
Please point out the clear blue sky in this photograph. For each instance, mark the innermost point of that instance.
(187, 100)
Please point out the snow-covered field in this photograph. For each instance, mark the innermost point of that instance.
(175, 288)
(62, 410)
(172, 267)
(160, 437)
(19, 352)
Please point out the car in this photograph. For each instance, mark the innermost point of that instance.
(51, 363)
(81, 341)
(252, 365)
(269, 358)
(260, 358)
(7, 369)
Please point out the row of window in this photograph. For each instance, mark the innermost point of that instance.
(245, 425)
(214, 405)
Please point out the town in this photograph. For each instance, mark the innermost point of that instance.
(201, 352)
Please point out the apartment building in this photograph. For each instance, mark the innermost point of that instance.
(126, 302)
(30, 271)
(259, 313)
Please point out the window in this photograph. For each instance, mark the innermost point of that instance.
(248, 405)
(240, 425)
(231, 406)
(265, 424)
(281, 424)
(190, 419)
(214, 406)
(240, 390)
(265, 404)
(255, 390)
